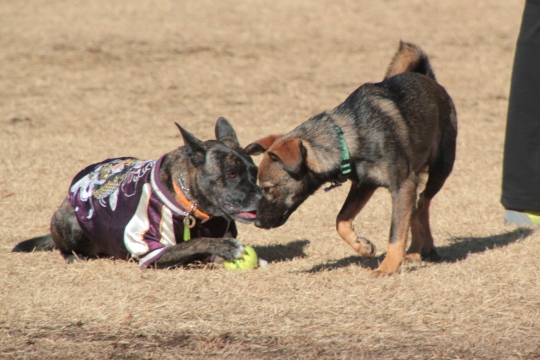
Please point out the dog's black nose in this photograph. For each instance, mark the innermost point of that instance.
(258, 223)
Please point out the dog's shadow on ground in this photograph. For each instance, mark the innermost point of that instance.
(458, 250)
(461, 247)
(372, 263)
(280, 252)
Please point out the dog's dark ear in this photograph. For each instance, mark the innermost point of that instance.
(225, 133)
(261, 145)
(195, 147)
(291, 154)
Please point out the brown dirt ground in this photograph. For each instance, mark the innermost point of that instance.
(81, 81)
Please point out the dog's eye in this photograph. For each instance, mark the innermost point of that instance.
(231, 175)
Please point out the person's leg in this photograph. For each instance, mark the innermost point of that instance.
(521, 165)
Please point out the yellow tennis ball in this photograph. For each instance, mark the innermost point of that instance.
(249, 260)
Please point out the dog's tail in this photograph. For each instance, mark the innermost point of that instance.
(409, 58)
(40, 243)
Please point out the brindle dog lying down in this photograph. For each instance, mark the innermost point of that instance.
(145, 209)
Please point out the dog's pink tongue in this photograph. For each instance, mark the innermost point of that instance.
(248, 215)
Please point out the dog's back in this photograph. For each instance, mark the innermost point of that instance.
(409, 106)
(408, 61)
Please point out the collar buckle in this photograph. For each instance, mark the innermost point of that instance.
(194, 211)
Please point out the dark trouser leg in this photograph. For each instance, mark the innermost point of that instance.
(521, 166)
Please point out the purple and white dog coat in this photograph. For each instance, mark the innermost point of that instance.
(123, 207)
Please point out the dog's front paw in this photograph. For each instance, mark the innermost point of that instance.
(412, 258)
(230, 249)
(367, 248)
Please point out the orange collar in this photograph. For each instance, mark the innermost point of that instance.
(188, 205)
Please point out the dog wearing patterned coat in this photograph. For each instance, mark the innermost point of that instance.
(146, 210)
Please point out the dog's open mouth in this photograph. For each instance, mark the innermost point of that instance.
(243, 216)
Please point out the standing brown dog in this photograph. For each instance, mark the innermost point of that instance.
(383, 135)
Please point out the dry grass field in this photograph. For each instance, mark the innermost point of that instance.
(81, 81)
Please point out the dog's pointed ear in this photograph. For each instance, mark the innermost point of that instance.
(196, 151)
(261, 145)
(225, 133)
(291, 154)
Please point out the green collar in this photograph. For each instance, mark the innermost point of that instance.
(346, 166)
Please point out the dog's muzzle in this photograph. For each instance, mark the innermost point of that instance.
(265, 222)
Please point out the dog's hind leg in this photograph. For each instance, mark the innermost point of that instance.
(357, 198)
(68, 236)
(422, 245)
(403, 205)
